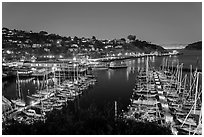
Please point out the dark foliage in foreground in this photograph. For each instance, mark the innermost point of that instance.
(91, 121)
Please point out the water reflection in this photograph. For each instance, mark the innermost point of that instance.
(130, 69)
(138, 60)
(110, 73)
(152, 59)
(143, 59)
(113, 83)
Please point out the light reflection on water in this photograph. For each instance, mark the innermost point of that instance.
(110, 73)
(111, 85)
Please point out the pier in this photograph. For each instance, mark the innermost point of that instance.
(108, 59)
(162, 98)
(159, 96)
(48, 99)
(167, 90)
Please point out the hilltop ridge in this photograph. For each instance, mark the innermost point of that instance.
(194, 46)
(44, 45)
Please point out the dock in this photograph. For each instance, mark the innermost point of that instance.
(57, 97)
(168, 91)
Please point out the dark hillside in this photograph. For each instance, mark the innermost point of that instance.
(194, 46)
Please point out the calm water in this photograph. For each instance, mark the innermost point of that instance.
(112, 85)
(192, 57)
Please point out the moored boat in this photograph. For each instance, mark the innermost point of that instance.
(114, 65)
(19, 103)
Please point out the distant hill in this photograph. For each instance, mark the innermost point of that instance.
(194, 46)
(143, 46)
(44, 45)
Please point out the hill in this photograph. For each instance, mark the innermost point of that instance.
(43, 45)
(194, 46)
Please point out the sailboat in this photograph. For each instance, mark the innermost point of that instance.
(113, 65)
(18, 102)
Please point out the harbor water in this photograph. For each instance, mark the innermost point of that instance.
(112, 84)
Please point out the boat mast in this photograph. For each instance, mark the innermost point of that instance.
(19, 89)
(147, 77)
(59, 76)
(172, 67)
(190, 77)
(184, 88)
(167, 65)
(42, 110)
(77, 72)
(197, 77)
(46, 80)
(74, 72)
(147, 69)
(181, 76)
(54, 80)
(176, 74)
(115, 110)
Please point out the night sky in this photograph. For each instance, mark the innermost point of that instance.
(160, 23)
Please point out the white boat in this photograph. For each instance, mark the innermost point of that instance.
(189, 121)
(71, 98)
(99, 66)
(113, 65)
(37, 95)
(47, 109)
(58, 107)
(19, 103)
(31, 113)
(147, 95)
(145, 102)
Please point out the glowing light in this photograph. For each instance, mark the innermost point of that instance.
(32, 103)
(58, 42)
(8, 52)
(33, 68)
(53, 68)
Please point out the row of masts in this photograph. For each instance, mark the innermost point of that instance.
(189, 88)
(175, 87)
(62, 91)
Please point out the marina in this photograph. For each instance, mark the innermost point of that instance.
(102, 68)
(156, 96)
(162, 97)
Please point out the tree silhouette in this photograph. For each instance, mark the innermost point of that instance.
(93, 38)
(131, 37)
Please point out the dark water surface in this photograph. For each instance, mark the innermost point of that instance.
(112, 84)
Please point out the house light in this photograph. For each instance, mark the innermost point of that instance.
(32, 103)
(54, 68)
(8, 52)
